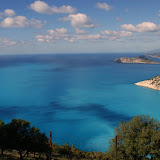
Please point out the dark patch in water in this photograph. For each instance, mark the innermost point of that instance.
(97, 110)
(48, 113)
(104, 113)
(45, 115)
(8, 112)
(58, 69)
(64, 60)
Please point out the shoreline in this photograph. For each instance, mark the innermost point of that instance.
(148, 84)
(137, 60)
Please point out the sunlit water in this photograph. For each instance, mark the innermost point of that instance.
(80, 98)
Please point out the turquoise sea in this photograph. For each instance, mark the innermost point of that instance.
(81, 98)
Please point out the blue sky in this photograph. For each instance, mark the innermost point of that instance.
(79, 26)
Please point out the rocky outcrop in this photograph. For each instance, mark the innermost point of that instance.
(153, 83)
(139, 59)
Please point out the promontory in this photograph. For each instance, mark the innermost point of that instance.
(153, 83)
(139, 59)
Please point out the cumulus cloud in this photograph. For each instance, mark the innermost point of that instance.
(63, 34)
(79, 31)
(20, 21)
(53, 35)
(129, 27)
(87, 37)
(8, 13)
(44, 38)
(104, 6)
(62, 30)
(142, 27)
(44, 8)
(118, 33)
(6, 42)
(79, 20)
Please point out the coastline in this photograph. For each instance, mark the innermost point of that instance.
(148, 84)
(137, 60)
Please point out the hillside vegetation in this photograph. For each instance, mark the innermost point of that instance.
(138, 139)
(139, 59)
(153, 83)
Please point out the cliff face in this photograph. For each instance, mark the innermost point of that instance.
(153, 83)
(139, 59)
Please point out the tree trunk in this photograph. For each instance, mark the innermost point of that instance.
(39, 155)
(1, 151)
(21, 156)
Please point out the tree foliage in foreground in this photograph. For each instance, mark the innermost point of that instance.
(138, 139)
(2, 134)
(19, 135)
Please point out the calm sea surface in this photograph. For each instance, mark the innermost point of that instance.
(80, 98)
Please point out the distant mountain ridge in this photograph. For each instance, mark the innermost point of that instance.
(154, 55)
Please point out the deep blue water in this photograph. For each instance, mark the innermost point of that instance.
(81, 98)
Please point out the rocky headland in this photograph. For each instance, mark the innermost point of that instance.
(153, 83)
(139, 59)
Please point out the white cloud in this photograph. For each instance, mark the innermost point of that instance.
(79, 20)
(117, 33)
(8, 13)
(53, 35)
(104, 6)
(147, 27)
(79, 31)
(62, 30)
(69, 39)
(111, 37)
(6, 42)
(142, 27)
(44, 38)
(63, 34)
(20, 21)
(129, 27)
(114, 38)
(44, 8)
(125, 34)
(87, 37)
